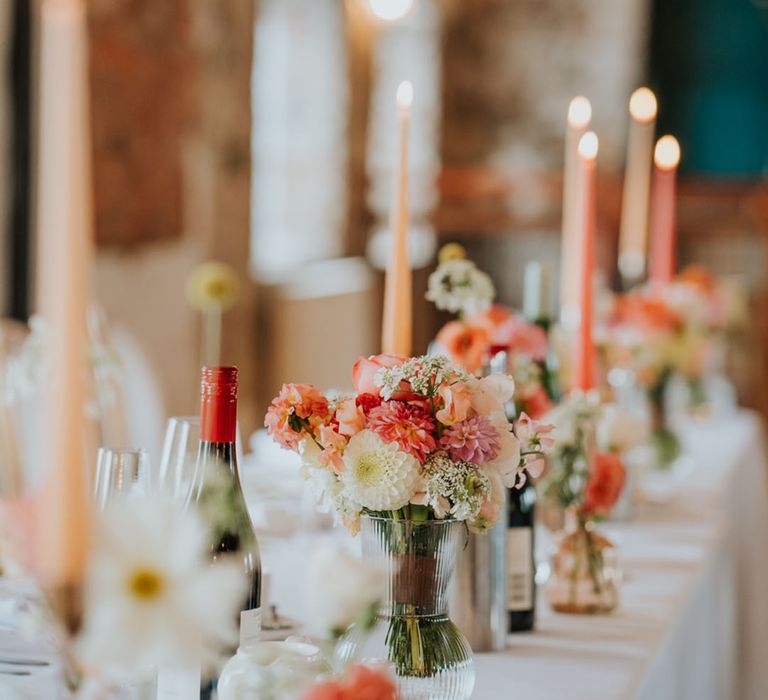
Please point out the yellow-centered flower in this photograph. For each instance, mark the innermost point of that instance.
(146, 584)
(212, 286)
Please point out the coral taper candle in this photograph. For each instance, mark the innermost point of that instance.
(579, 116)
(64, 252)
(633, 235)
(584, 355)
(398, 312)
(663, 234)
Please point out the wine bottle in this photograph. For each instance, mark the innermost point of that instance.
(218, 492)
(521, 567)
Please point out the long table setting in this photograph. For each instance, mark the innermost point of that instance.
(536, 505)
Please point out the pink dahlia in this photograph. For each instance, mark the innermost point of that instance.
(410, 427)
(474, 440)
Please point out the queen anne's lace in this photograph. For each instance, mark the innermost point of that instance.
(455, 489)
(459, 287)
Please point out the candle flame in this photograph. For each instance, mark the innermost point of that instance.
(405, 94)
(390, 10)
(642, 105)
(588, 146)
(579, 112)
(667, 153)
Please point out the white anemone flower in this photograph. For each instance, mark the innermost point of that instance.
(618, 430)
(506, 465)
(340, 589)
(490, 394)
(378, 475)
(152, 597)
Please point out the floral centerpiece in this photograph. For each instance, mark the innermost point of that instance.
(482, 329)
(586, 478)
(421, 448)
(660, 331)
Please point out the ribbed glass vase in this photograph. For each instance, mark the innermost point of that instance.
(430, 657)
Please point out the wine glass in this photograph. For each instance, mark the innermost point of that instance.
(121, 471)
(177, 464)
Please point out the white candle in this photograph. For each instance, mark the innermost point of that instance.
(64, 259)
(536, 292)
(633, 236)
(579, 116)
(398, 312)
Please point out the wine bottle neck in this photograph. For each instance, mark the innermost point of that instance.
(221, 453)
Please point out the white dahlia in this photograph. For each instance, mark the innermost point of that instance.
(378, 475)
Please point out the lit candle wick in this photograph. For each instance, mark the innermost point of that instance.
(405, 94)
(667, 153)
(579, 112)
(588, 145)
(642, 105)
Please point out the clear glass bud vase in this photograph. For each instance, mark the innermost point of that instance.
(665, 443)
(585, 576)
(430, 657)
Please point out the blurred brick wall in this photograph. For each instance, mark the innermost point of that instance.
(141, 78)
(171, 94)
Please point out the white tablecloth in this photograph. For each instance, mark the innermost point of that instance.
(693, 619)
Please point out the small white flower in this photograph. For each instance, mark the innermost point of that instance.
(459, 287)
(152, 596)
(340, 589)
(454, 488)
(378, 475)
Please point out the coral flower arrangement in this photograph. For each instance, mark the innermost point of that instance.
(421, 439)
(482, 329)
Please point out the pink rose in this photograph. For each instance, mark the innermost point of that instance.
(366, 368)
(456, 402)
(350, 416)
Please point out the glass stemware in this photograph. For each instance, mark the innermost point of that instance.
(177, 463)
(123, 472)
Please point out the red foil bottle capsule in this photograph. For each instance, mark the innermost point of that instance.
(218, 410)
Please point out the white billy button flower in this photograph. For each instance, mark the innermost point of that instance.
(152, 598)
(378, 475)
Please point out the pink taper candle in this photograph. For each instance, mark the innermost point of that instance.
(583, 365)
(64, 261)
(579, 116)
(398, 312)
(663, 234)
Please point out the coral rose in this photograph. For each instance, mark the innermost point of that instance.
(359, 683)
(467, 344)
(365, 370)
(456, 402)
(605, 483)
